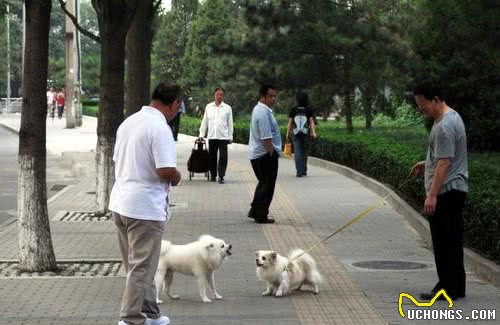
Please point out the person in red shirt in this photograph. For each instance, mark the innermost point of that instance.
(60, 101)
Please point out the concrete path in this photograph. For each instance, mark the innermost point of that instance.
(306, 210)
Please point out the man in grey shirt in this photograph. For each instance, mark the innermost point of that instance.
(264, 147)
(445, 173)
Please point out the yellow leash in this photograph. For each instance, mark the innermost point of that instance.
(358, 217)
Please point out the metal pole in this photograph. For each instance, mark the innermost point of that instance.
(7, 104)
(78, 75)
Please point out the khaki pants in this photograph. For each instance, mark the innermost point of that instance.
(140, 243)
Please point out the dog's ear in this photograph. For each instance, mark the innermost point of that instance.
(209, 246)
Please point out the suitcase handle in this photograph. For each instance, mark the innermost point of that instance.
(200, 144)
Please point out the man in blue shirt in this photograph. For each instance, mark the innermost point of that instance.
(264, 148)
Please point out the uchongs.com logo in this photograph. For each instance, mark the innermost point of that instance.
(424, 313)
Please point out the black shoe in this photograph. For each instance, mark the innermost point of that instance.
(432, 294)
(221, 180)
(268, 220)
(429, 296)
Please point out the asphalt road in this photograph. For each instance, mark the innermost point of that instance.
(57, 176)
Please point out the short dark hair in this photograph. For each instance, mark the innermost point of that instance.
(429, 90)
(264, 88)
(302, 99)
(167, 94)
(219, 88)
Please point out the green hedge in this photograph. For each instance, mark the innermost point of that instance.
(388, 155)
(90, 110)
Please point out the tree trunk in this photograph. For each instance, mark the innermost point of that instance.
(348, 103)
(36, 253)
(139, 42)
(367, 109)
(114, 20)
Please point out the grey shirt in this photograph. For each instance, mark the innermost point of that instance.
(448, 140)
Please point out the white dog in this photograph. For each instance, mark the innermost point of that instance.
(199, 259)
(283, 275)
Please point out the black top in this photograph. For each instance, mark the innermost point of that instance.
(300, 117)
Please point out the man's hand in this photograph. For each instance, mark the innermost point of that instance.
(314, 136)
(169, 174)
(418, 169)
(177, 178)
(430, 205)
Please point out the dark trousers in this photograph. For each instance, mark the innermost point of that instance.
(174, 125)
(266, 171)
(217, 147)
(60, 110)
(447, 228)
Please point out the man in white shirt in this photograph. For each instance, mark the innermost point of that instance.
(145, 168)
(218, 120)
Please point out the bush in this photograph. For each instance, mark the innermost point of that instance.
(387, 155)
(90, 110)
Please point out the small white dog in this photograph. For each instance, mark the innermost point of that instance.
(199, 259)
(285, 274)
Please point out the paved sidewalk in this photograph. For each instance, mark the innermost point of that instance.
(306, 209)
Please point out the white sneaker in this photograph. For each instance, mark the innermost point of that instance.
(122, 323)
(163, 320)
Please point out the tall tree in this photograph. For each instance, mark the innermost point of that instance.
(36, 252)
(139, 44)
(171, 39)
(212, 56)
(457, 43)
(114, 18)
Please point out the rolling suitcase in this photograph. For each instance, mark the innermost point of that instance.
(198, 160)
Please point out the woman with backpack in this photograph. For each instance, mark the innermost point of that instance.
(301, 124)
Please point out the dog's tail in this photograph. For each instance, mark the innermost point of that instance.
(307, 263)
(165, 246)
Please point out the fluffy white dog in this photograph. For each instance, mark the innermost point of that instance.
(285, 274)
(199, 259)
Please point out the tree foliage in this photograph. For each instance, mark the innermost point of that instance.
(457, 45)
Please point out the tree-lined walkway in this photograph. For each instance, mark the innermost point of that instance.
(306, 210)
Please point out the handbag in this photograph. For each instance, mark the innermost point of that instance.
(287, 150)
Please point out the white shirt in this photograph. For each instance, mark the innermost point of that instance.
(144, 142)
(219, 121)
(50, 97)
